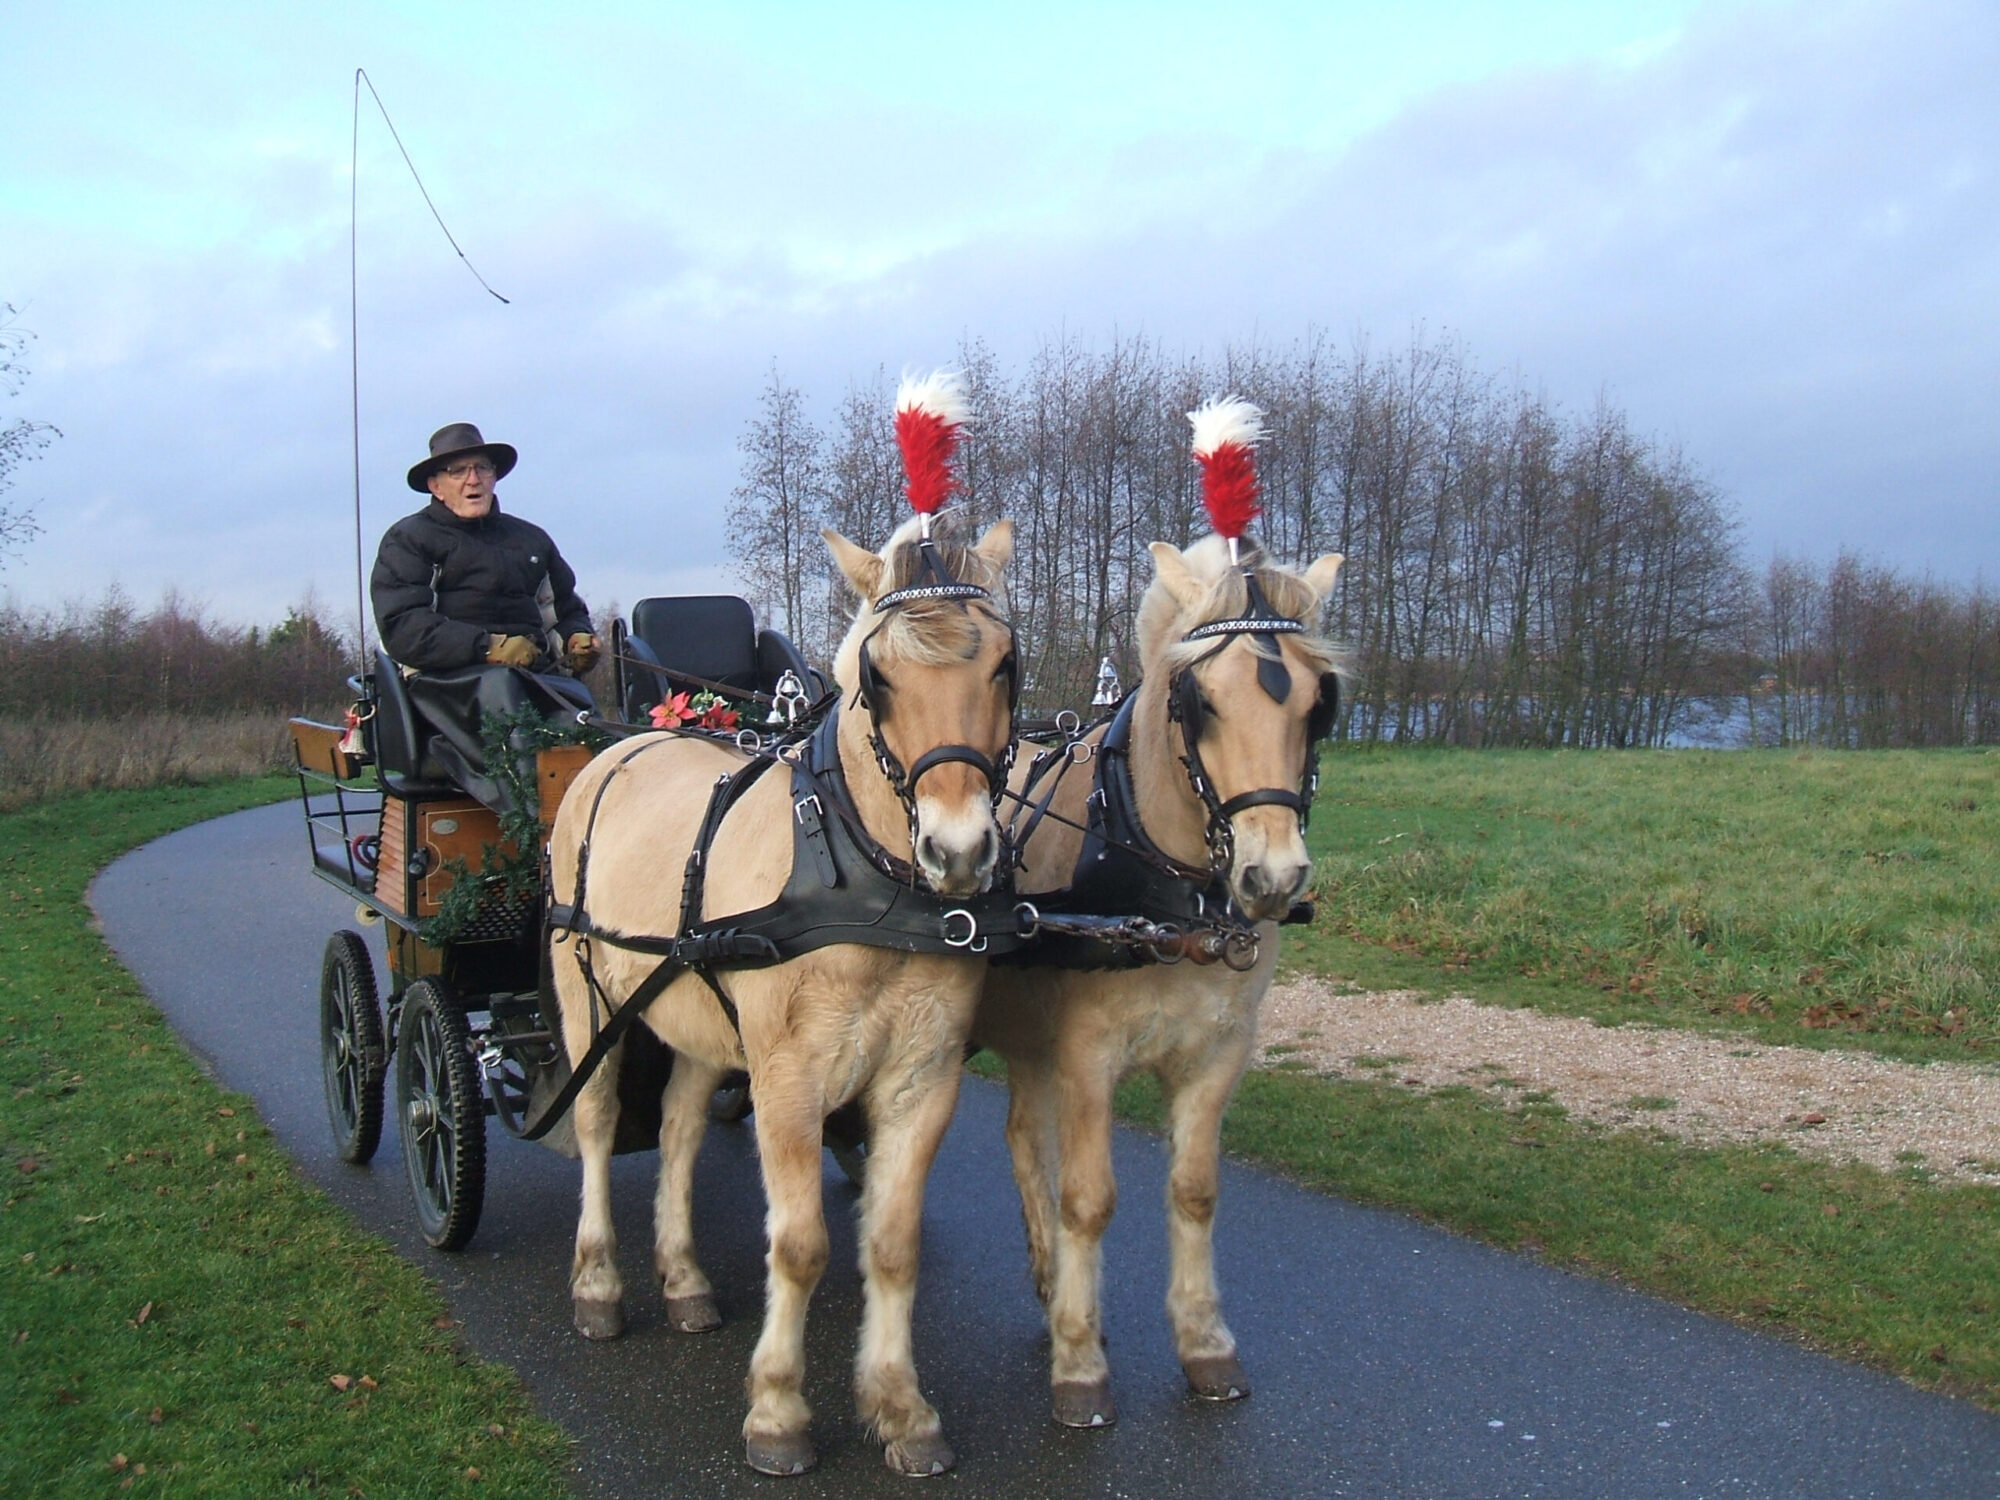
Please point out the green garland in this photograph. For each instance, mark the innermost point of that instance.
(510, 742)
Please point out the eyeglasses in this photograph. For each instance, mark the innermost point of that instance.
(466, 468)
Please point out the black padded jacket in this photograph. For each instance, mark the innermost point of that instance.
(442, 586)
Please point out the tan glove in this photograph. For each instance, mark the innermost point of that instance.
(511, 651)
(581, 651)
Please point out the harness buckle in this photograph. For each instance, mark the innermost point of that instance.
(811, 800)
(972, 941)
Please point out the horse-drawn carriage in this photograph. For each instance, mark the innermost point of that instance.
(832, 901)
(469, 1023)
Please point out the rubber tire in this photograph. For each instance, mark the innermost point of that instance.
(435, 1071)
(846, 1136)
(731, 1102)
(352, 1064)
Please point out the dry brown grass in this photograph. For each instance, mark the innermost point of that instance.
(42, 758)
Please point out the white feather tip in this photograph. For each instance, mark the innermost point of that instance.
(1224, 420)
(939, 394)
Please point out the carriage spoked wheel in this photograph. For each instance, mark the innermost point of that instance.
(350, 1047)
(441, 1110)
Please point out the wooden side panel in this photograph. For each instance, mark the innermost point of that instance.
(555, 769)
(456, 830)
(318, 747)
(392, 881)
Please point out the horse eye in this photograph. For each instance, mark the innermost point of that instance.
(1005, 669)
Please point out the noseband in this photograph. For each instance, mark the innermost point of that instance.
(935, 581)
(1185, 707)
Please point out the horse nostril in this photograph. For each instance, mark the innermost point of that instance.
(927, 853)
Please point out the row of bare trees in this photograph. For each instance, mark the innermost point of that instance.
(1856, 655)
(1514, 576)
(111, 660)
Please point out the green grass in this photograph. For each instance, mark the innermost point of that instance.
(173, 1293)
(1797, 896)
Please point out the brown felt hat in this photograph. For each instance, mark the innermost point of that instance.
(455, 441)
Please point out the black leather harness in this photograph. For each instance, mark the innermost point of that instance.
(844, 887)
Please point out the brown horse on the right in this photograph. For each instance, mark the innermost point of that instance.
(1070, 1035)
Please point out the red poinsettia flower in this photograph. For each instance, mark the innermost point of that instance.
(718, 716)
(673, 713)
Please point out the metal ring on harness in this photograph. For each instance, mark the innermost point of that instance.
(1027, 919)
(1068, 721)
(972, 942)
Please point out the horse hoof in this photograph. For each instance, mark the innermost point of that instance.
(1084, 1403)
(919, 1458)
(696, 1314)
(598, 1319)
(1216, 1377)
(784, 1455)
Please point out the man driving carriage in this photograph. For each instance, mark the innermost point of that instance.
(478, 606)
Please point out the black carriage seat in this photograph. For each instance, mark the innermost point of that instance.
(400, 740)
(713, 637)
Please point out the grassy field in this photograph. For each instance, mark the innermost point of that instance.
(180, 1311)
(1848, 897)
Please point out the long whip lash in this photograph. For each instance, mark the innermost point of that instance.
(354, 315)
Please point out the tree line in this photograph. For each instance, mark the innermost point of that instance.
(112, 660)
(1515, 575)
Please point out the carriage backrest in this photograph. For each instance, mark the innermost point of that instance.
(402, 739)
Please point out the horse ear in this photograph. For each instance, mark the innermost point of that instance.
(1321, 575)
(862, 568)
(997, 546)
(1171, 568)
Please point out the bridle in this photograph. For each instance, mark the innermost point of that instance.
(935, 581)
(1185, 707)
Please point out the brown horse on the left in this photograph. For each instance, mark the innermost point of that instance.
(836, 1024)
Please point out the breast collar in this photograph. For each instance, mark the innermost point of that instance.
(844, 886)
(1121, 872)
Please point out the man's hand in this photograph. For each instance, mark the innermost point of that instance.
(512, 651)
(581, 651)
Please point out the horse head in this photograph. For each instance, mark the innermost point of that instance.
(930, 677)
(1251, 707)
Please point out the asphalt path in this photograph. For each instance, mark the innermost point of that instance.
(1388, 1358)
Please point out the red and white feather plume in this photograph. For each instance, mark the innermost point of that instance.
(1227, 430)
(930, 412)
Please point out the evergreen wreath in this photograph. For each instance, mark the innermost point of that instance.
(510, 872)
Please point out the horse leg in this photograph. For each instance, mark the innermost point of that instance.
(776, 1439)
(907, 1118)
(596, 1292)
(1031, 1133)
(1195, 1102)
(683, 1122)
(1079, 1376)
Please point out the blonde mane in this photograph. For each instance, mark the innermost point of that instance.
(928, 632)
(1162, 620)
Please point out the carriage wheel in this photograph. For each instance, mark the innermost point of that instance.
(846, 1135)
(442, 1111)
(731, 1102)
(350, 1047)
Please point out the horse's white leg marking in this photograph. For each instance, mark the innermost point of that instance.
(1031, 1138)
(909, 1111)
(683, 1123)
(1087, 1199)
(789, 1111)
(594, 1284)
(1196, 1099)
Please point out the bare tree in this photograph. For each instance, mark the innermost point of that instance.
(21, 441)
(779, 507)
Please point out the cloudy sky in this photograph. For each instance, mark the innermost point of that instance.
(1769, 231)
